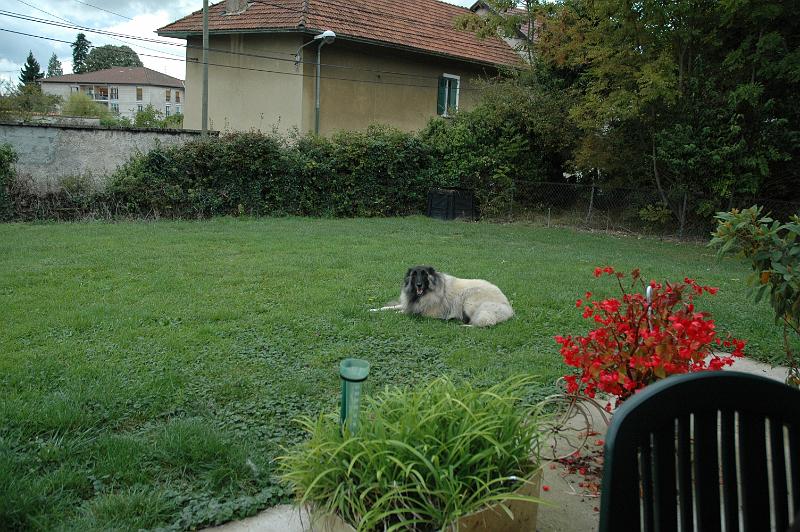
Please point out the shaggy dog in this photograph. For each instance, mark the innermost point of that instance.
(438, 295)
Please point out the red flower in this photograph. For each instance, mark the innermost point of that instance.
(636, 342)
(545, 487)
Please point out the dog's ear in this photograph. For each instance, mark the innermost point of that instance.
(408, 275)
(431, 275)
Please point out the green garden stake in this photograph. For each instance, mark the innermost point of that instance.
(353, 373)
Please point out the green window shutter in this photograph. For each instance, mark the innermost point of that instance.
(452, 97)
(441, 104)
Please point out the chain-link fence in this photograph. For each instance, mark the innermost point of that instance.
(633, 210)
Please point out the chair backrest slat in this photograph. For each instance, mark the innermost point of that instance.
(730, 478)
(646, 476)
(685, 498)
(776, 446)
(665, 490)
(794, 468)
(706, 467)
(753, 460)
(709, 451)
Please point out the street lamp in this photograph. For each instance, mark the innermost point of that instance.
(326, 37)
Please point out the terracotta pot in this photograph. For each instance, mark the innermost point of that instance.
(490, 519)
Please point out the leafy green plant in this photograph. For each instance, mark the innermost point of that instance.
(379, 172)
(422, 458)
(7, 159)
(773, 249)
(656, 216)
(80, 104)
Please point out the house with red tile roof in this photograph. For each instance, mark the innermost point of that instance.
(124, 90)
(390, 63)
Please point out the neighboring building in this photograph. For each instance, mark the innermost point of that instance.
(391, 63)
(124, 90)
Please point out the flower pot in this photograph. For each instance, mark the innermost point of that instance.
(490, 519)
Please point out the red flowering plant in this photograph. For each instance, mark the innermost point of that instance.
(639, 339)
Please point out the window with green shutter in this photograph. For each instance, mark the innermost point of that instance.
(447, 100)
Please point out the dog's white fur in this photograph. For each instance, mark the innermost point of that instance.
(454, 298)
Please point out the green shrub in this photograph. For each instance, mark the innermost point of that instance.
(380, 172)
(513, 137)
(7, 159)
(421, 459)
(773, 250)
(80, 104)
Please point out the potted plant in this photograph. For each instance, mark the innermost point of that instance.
(439, 457)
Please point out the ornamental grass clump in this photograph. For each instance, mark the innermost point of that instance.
(638, 341)
(421, 459)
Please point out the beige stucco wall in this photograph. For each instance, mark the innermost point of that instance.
(405, 99)
(241, 99)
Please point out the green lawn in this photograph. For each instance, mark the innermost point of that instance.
(149, 372)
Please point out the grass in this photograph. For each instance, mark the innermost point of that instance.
(150, 371)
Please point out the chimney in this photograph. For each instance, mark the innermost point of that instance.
(233, 7)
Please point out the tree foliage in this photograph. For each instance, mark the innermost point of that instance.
(108, 56)
(80, 52)
(80, 104)
(30, 72)
(686, 96)
(22, 102)
(54, 67)
(773, 250)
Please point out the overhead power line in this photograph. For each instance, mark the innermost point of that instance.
(76, 25)
(102, 9)
(245, 54)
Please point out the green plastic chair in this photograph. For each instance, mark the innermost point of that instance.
(703, 451)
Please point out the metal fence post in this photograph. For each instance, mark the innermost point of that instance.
(591, 204)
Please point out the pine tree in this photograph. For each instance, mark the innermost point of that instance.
(31, 72)
(80, 51)
(54, 67)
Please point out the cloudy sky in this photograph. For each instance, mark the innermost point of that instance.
(128, 17)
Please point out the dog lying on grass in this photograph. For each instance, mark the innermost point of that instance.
(475, 302)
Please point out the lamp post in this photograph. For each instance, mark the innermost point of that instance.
(326, 37)
(204, 102)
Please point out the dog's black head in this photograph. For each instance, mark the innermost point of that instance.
(419, 280)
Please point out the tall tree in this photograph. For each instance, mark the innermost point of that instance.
(102, 57)
(80, 51)
(31, 72)
(54, 67)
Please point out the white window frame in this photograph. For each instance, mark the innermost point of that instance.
(113, 91)
(140, 108)
(447, 93)
(167, 109)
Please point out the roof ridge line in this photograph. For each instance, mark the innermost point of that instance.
(303, 14)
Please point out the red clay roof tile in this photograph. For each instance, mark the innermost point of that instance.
(422, 25)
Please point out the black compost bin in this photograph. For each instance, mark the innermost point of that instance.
(451, 203)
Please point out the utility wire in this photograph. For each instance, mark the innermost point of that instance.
(260, 56)
(232, 67)
(102, 9)
(114, 38)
